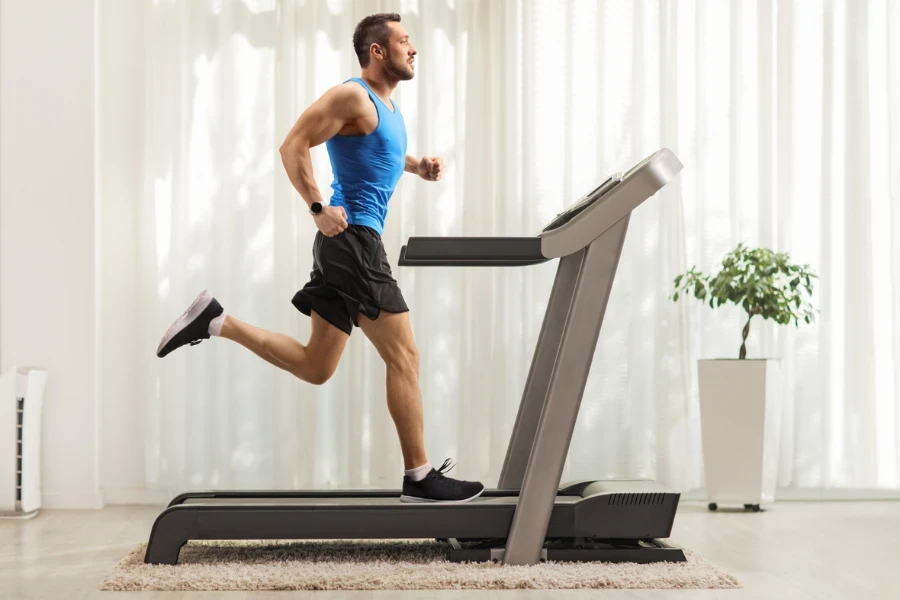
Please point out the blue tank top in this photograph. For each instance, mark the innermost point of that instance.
(367, 167)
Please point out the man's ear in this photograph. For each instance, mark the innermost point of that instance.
(379, 51)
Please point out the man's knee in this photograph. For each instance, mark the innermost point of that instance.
(317, 373)
(318, 360)
(403, 357)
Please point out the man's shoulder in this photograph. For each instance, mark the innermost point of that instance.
(352, 89)
(349, 98)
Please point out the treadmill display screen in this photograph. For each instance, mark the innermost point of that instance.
(583, 202)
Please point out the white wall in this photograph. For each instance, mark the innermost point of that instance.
(47, 298)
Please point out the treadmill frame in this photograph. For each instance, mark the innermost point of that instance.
(537, 448)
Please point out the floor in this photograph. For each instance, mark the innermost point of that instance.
(794, 550)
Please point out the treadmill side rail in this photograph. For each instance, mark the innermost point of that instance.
(215, 495)
(471, 252)
(314, 519)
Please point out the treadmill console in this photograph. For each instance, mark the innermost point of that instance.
(583, 202)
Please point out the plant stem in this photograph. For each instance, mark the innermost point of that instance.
(746, 332)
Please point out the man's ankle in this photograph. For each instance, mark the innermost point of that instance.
(418, 473)
(227, 329)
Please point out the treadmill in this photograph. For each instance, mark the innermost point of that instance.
(530, 517)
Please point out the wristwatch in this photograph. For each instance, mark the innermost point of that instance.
(315, 208)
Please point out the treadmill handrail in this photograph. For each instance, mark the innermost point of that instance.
(471, 252)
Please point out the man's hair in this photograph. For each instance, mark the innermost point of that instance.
(373, 29)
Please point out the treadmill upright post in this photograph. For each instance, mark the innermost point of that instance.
(597, 265)
(535, 392)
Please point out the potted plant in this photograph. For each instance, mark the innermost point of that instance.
(739, 399)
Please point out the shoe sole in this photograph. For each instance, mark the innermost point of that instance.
(187, 317)
(414, 499)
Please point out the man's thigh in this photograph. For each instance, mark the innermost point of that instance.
(326, 343)
(390, 333)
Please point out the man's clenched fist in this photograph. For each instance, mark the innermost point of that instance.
(332, 220)
(431, 168)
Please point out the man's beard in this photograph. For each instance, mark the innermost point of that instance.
(396, 70)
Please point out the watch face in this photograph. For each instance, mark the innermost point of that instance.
(316, 207)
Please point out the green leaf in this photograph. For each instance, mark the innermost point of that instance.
(759, 280)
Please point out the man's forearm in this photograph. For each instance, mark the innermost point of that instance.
(298, 164)
(412, 164)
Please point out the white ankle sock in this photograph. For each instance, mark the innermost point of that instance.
(419, 473)
(215, 326)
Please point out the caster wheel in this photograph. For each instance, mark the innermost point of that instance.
(748, 506)
(755, 508)
(713, 506)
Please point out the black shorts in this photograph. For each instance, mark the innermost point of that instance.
(350, 275)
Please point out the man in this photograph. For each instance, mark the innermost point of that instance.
(351, 282)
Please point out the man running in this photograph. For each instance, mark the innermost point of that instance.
(351, 282)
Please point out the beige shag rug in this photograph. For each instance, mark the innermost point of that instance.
(387, 565)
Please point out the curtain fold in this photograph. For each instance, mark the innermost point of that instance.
(786, 115)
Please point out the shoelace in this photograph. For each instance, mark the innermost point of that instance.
(445, 468)
(441, 475)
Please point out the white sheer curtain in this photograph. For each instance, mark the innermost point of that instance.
(786, 116)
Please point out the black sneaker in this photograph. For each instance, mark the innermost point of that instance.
(437, 487)
(192, 327)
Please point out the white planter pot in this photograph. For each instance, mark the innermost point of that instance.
(740, 414)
